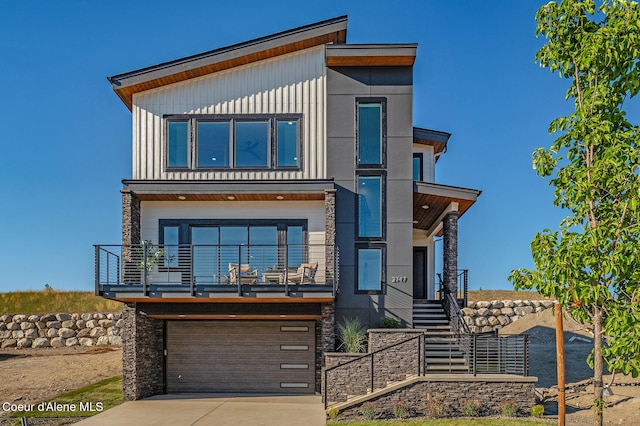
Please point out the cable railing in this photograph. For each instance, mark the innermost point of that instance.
(187, 267)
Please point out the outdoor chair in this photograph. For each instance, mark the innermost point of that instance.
(305, 274)
(247, 275)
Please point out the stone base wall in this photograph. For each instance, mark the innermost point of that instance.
(60, 330)
(142, 354)
(482, 317)
(452, 395)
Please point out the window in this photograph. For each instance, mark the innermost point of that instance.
(370, 136)
(417, 166)
(370, 267)
(171, 241)
(256, 141)
(178, 144)
(370, 206)
(213, 144)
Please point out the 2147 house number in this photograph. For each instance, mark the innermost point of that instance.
(398, 279)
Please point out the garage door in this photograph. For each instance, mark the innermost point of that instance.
(241, 356)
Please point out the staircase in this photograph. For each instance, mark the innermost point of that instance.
(443, 355)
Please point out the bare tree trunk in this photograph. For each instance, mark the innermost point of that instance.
(597, 366)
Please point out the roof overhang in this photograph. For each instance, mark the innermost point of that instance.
(316, 34)
(437, 139)
(368, 55)
(431, 202)
(228, 190)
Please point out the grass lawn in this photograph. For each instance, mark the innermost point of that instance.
(446, 422)
(53, 301)
(106, 394)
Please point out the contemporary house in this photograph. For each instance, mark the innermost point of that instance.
(278, 187)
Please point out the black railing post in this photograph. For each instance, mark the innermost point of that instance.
(526, 354)
(239, 271)
(286, 270)
(97, 271)
(474, 353)
(419, 354)
(324, 390)
(145, 288)
(192, 279)
(372, 378)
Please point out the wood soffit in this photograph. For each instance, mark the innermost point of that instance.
(126, 93)
(436, 206)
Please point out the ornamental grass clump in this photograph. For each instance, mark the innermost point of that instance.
(368, 410)
(400, 410)
(352, 335)
(537, 410)
(472, 408)
(508, 409)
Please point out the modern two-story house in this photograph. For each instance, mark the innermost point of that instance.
(278, 187)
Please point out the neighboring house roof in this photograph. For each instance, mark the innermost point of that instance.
(438, 140)
(329, 31)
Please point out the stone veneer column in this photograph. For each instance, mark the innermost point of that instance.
(130, 218)
(450, 251)
(142, 354)
(325, 339)
(330, 234)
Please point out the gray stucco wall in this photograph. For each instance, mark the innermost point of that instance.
(344, 85)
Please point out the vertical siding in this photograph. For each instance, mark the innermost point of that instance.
(293, 83)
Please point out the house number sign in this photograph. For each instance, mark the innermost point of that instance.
(398, 279)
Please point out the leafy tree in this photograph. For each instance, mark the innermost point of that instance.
(591, 264)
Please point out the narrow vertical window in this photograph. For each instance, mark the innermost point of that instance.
(369, 133)
(370, 269)
(417, 167)
(370, 206)
(178, 146)
(213, 143)
(170, 240)
(252, 143)
(287, 144)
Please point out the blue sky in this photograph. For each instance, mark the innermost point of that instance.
(66, 136)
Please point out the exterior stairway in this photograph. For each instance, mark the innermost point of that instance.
(443, 354)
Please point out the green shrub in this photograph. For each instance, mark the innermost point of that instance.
(434, 406)
(472, 408)
(508, 409)
(537, 410)
(352, 336)
(368, 410)
(333, 413)
(400, 410)
(389, 322)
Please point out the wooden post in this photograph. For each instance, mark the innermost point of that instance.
(560, 359)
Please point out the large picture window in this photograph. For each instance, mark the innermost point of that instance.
(251, 141)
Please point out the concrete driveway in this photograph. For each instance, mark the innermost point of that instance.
(215, 409)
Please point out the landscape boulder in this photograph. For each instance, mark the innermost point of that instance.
(6, 318)
(52, 332)
(57, 342)
(72, 341)
(66, 333)
(20, 318)
(103, 341)
(25, 343)
(8, 343)
(48, 317)
(97, 332)
(27, 325)
(34, 318)
(54, 324)
(31, 333)
(63, 317)
(13, 326)
(69, 324)
(86, 341)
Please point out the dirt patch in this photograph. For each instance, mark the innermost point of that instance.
(624, 399)
(30, 376)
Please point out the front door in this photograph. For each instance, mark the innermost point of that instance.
(419, 272)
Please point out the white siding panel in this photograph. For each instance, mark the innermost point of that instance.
(153, 211)
(293, 83)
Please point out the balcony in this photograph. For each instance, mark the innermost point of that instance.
(145, 272)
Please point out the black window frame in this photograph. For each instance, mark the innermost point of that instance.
(419, 155)
(383, 111)
(272, 138)
(382, 174)
(383, 267)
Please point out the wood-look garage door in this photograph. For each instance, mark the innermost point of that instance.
(241, 356)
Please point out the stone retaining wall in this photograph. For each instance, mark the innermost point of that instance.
(59, 330)
(452, 394)
(482, 317)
